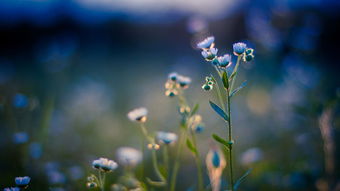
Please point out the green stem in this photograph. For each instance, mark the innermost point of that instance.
(235, 70)
(143, 161)
(177, 164)
(156, 168)
(101, 181)
(230, 139)
(166, 157)
(198, 163)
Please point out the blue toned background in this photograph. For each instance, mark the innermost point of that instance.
(70, 70)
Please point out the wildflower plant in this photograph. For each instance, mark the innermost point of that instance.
(225, 94)
(190, 125)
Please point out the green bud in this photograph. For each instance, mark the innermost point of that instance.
(207, 87)
(248, 58)
(249, 51)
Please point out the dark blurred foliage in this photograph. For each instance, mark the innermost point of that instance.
(69, 75)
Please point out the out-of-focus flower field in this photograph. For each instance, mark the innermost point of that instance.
(71, 71)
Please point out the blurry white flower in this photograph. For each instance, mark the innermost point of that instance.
(128, 156)
(104, 164)
(173, 76)
(206, 43)
(139, 114)
(251, 155)
(166, 137)
(183, 81)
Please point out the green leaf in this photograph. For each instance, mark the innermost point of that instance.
(241, 179)
(219, 111)
(238, 89)
(191, 147)
(225, 80)
(220, 140)
(195, 109)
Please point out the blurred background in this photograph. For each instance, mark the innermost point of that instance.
(70, 70)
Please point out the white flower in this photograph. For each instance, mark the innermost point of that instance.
(166, 137)
(104, 164)
(206, 43)
(139, 114)
(224, 61)
(209, 54)
(173, 76)
(183, 81)
(251, 155)
(129, 156)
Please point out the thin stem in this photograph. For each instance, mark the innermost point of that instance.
(166, 157)
(230, 139)
(177, 164)
(101, 181)
(235, 71)
(198, 163)
(155, 166)
(143, 157)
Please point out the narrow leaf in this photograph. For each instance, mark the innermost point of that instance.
(238, 89)
(220, 140)
(225, 80)
(191, 147)
(241, 179)
(195, 109)
(219, 111)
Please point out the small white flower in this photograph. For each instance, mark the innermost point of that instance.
(209, 54)
(206, 43)
(183, 81)
(173, 76)
(251, 155)
(139, 114)
(166, 137)
(224, 61)
(129, 156)
(104, 164)
(239, 48)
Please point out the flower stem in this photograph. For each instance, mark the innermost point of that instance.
(155, 166)
(198, 163)
(230, 139)
(177, 164)
(235, 71)
(166, 157)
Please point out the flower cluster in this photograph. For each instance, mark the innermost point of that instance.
(138, 114)
(21, 183)
(128, 156)
(176, 83)
(104, 165)
(166, 137)
(209, 52)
